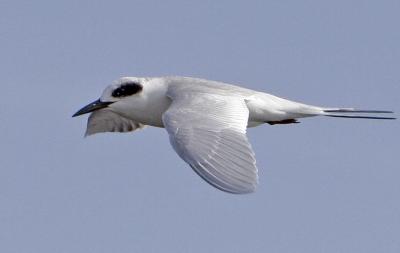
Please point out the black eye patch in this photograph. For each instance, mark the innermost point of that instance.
(127, 89)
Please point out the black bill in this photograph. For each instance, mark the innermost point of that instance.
(96, 105)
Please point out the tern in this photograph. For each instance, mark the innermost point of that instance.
(206, 121)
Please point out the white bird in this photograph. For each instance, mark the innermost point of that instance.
(206, 121)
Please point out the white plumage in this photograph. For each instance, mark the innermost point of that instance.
(206, 121)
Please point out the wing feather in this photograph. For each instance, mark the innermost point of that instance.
(105, 120)
(208, 131)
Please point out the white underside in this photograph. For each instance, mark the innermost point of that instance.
(206, 122)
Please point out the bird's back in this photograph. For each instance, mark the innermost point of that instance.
(189, 84)
(263, 107)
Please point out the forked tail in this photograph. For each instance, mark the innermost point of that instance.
(360, 114)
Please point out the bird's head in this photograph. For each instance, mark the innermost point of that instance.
(120, 94)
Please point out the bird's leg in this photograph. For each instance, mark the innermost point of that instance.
(285, 121)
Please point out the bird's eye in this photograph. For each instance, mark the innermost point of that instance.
(127, 89)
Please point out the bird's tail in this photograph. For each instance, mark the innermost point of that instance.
(355, 114)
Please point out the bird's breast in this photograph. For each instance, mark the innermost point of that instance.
(147, 112)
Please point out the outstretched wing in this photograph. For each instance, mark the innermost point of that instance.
(105, 120)
(209, 133)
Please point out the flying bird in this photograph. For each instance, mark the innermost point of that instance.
(206, 121)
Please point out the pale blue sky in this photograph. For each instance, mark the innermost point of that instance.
(326, 185)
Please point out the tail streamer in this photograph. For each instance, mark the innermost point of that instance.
(346, 113)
